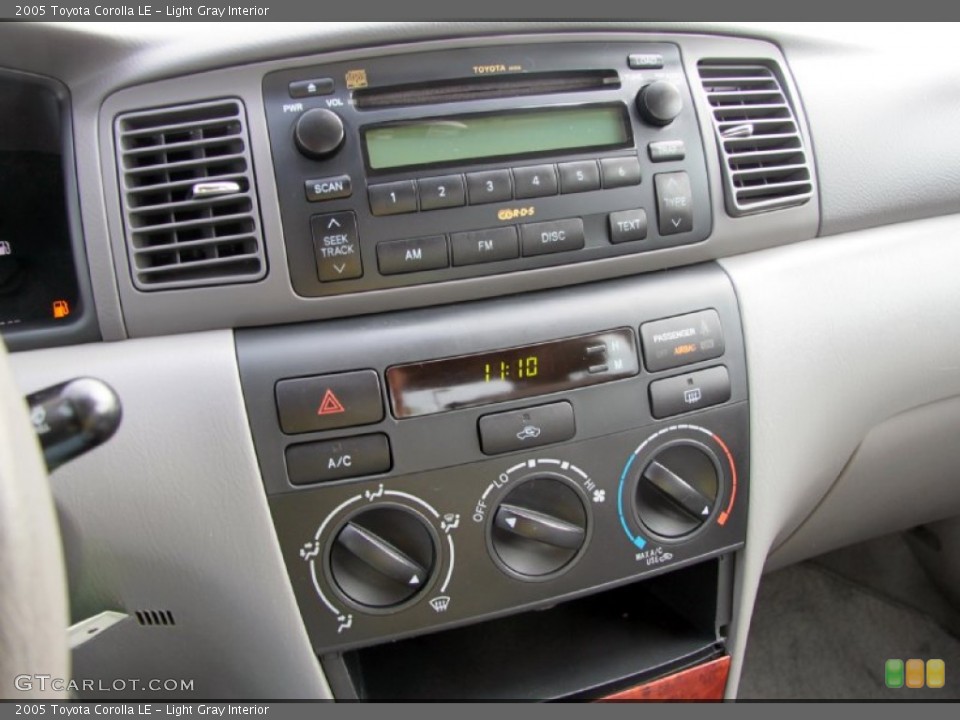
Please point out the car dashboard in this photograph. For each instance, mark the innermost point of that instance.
(437, 340)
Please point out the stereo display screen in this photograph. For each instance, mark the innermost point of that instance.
(486, 136)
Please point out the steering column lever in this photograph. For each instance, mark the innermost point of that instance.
(73, 417)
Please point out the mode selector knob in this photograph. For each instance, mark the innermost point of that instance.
(383, 556)
(318, 133)
(659, 103)
(539, 527)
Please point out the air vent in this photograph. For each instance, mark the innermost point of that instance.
(764, 161)
(190, 206)
(155, 617)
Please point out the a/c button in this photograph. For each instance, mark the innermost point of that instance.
(338, 459)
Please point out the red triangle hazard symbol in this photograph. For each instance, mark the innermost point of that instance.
(330, 405)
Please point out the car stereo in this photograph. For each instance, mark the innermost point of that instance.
(435, 166)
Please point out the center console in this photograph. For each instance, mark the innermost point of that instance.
(554, 477)
(434, 469)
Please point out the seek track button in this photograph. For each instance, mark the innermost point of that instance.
(336, 246)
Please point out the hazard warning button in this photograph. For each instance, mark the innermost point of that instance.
(327, 402)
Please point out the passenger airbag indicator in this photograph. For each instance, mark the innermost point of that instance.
(682, 340)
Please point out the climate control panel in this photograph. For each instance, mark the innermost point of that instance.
(500, 487)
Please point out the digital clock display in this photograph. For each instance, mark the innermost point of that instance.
(468, 381)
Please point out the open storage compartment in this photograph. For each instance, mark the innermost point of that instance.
(580, 649)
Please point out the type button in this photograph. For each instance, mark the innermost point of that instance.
(674, 203)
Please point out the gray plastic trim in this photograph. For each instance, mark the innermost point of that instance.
(884, 489)
(170, 514)
(273, 300)
(841, 335)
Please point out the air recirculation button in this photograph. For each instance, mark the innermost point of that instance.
(677, 490)
(539, 527)
(383, 557)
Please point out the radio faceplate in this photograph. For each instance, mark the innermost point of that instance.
(514, 188)
(394, 526)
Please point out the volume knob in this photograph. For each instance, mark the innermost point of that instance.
(318, 133)
(659, 103)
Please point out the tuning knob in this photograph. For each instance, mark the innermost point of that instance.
(318, 133)
(383, 556)
(659, 103)
(677, 490)
(539, 527)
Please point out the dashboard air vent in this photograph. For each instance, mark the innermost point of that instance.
(764, 161)
(190, 206)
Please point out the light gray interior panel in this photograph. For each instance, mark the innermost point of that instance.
(170, 516)
(904, 474)
(882, 127)
(841, 335)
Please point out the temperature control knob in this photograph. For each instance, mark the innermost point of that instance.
(677, 490)
(318, 133)
(539, 527)
(383, 556)
(659, 103)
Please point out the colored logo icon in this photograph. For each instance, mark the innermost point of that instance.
(914, 673)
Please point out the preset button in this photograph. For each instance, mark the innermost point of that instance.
(490, 186)
(536, 181)
(393, 198)
(579, 176)
(441, 192)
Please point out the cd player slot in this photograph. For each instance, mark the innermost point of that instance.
(483, 88)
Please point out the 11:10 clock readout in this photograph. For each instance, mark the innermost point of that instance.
(521, 368)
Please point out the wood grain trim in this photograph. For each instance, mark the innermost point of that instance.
(700, 682)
